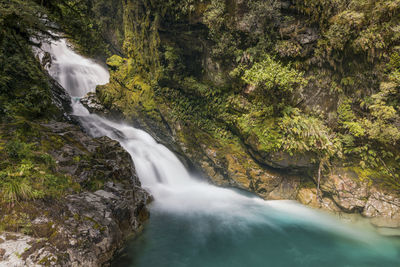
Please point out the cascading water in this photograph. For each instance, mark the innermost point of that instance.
(194, 223)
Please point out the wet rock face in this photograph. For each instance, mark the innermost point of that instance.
(85, 228)
(309, 197)
(383, 208)
(92, 103)
(296, 163)
(90, 159)
(101, 222)
(60, 98)
(344, 191)
(347, 191)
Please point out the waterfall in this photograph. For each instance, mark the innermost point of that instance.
(75, 73)
(174, 189)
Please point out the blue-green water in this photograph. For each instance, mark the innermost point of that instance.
(198, 240)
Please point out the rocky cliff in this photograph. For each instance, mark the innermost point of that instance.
(67, 199)
(89, 222)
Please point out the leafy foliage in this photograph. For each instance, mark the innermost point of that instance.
(270, 74)
(357, 26)
(308, 134)
(274, 84)
(24, 89)
(29, 173)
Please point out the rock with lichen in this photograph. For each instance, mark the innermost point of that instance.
(83, 227)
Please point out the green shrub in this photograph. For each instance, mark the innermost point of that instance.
(271, 75)
(29, 173)
(18, 150)
(302, 133)
(348, 119)
(272, 83)
(15, 189)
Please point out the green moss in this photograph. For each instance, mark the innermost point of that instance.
(76, 216)
(378, 176)
(17, 221)
(128, 91)
(96, 225)
(115, 61)
(363, 174)
(95, 184)
(77, 159)
(307, 184)
(45, 261)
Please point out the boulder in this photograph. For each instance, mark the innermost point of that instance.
(347, 190)
(85, 227)
(309, 197)
(93, 104)
(383, 208)
(354, 195)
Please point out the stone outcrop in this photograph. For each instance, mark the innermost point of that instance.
(383, 208)
(344, 191)
(88, 227)
(91, 102)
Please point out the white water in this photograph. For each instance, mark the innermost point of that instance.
(76, 74)
(174, 189)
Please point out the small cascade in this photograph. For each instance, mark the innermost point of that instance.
(75, 73)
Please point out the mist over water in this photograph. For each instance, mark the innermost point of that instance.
(194, 223)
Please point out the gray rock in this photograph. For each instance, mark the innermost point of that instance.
(310, 35)
(89, 227)
(279, 160)
(92, 103)
(103, 219)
